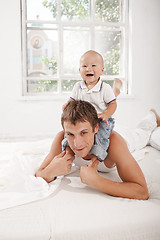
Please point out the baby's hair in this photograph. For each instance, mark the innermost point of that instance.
(93, 52)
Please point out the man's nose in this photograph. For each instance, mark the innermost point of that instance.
(78, 142)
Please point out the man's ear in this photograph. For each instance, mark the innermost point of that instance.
(96, 128)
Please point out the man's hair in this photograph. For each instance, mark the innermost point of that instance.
(79, 111)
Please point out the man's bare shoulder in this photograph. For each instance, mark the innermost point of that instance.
(118, 150)
(116, 138)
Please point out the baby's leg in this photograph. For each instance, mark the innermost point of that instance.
(101, 144)
(117, 84)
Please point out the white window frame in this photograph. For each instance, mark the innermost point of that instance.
(61, 24)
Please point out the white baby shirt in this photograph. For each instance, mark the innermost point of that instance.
(99, 96)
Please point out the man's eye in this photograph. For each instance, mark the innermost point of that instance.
(69, 134)
(83, 133)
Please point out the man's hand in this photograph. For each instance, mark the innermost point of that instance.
(88, 173)
(60, 165)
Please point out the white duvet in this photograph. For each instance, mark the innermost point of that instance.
(74, 210)
(18, 163)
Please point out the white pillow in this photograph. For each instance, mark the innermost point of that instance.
(155, 139)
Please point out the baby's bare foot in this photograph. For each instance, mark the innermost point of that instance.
(157, 116)
(117, 86)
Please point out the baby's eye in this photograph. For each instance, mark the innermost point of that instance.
(84, 66)
(93, 65)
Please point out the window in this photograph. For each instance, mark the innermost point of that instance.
(55, 33)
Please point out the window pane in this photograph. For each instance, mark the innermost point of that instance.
(60, 31)
(76, 42)
(110, 82)
(42, 52)
(41, 10)
(108, 43)
(41, 26)
(67, 85)
(36, 86)
(74, 10)
(108, 10)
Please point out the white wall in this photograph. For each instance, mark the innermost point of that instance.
(21, 118)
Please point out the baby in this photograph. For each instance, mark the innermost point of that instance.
(100, 95)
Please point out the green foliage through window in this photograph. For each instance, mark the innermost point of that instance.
(56, 40)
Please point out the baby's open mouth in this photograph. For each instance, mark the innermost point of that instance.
(89, 75)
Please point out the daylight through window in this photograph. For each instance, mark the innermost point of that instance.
(55, 33)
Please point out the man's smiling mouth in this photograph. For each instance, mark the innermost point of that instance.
(80, 149)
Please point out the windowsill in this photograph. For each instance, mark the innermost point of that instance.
(64, 97)
(126, 96)
(59, 97)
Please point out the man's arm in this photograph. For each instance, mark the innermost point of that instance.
(133, 185)
(56, 148)
(56, 163)
(60, 165)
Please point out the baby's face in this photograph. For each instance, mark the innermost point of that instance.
(91, 67)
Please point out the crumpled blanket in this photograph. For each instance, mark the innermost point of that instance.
(18, 163)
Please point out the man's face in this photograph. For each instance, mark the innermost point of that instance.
(80, 137)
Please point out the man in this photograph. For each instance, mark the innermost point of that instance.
(80, 124)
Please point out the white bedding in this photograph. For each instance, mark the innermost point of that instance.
(73, 210)
(18, 163)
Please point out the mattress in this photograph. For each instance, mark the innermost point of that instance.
(74, 211)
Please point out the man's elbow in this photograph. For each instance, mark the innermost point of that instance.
(144, 195)
(38, 173)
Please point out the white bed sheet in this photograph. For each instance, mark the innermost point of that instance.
(18, 163)
(76, 211)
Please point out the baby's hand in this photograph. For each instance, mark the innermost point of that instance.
(103, 117)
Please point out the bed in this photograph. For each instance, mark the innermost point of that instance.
(69, 210)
